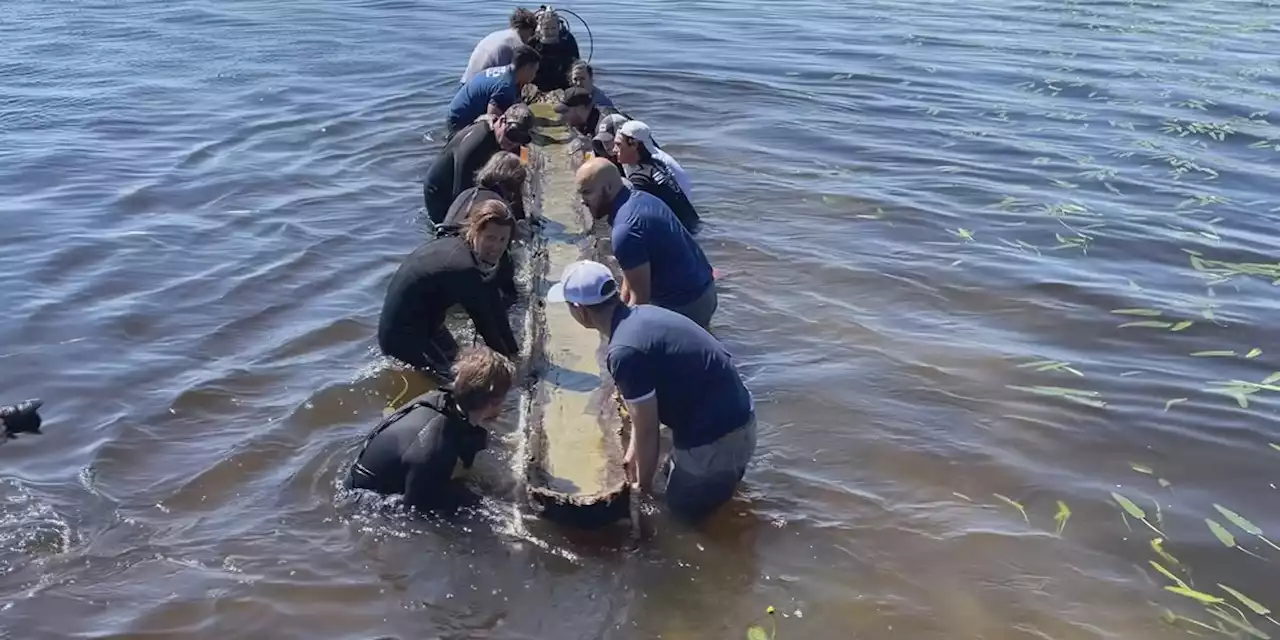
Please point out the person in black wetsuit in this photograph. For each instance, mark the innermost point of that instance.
(501, 179)
(559, 51)
(414, 451)
(454, 169)
(459, 270)
(579, 111)
(653, 171)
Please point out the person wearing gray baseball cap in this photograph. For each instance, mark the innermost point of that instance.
(672, 372)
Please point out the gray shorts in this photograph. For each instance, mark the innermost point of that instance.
(701, 309)
(703, 478)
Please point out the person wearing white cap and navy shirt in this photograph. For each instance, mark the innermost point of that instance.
(652, 170)
(661, 262)
(670, 372)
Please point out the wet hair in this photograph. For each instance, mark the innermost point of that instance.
(503, 170)
(481, 377)
(519, 120)
(486, 213)
(549, 25)
(526, 55)
(523, 19)
(584, 66)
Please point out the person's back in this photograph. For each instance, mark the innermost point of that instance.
(645, 230)
(414, 451)
(700, 394)
(443, 272)
(456, 219)
(652, 176)
(495, 85)
(676, 170)
(454, 169)
(421, 292)
(497, 49)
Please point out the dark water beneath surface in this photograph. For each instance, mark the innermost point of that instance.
(204, 200)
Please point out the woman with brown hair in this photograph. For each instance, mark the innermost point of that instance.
(501, 178)
(447, 271)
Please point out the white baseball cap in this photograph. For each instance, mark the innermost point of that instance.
(637, 130)
(584, 282)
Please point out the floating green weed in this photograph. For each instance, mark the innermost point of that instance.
(1244, 525)
(1051, 365)
(1080, 396)
(1152, 324)
(756, 632)
(1157, 545)
(1061, 517)
(1134, 510)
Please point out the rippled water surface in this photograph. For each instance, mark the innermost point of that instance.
(931, 220)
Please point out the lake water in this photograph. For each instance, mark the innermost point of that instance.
(926, 216)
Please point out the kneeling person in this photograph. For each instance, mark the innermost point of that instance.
(669, 371)
(414, 451)
(501, 179)
(444, 272)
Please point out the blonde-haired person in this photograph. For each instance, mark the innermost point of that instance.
(559, 50)
(413, 452)
(443, 272)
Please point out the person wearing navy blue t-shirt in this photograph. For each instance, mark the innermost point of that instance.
(661, 262)
(493, 90)
(671, 372)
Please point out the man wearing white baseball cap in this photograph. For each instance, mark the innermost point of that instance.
(669, 371)
(645, 169)
(636, 146)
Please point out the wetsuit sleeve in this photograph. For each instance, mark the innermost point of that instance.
(483, 303)
(461, 176)
(506, 280)
(632, 374)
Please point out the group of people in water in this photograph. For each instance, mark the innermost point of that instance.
(666, 365)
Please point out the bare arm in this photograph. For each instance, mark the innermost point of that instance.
(635, 285)
(642, 454)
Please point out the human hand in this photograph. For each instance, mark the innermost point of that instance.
(631, 470)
